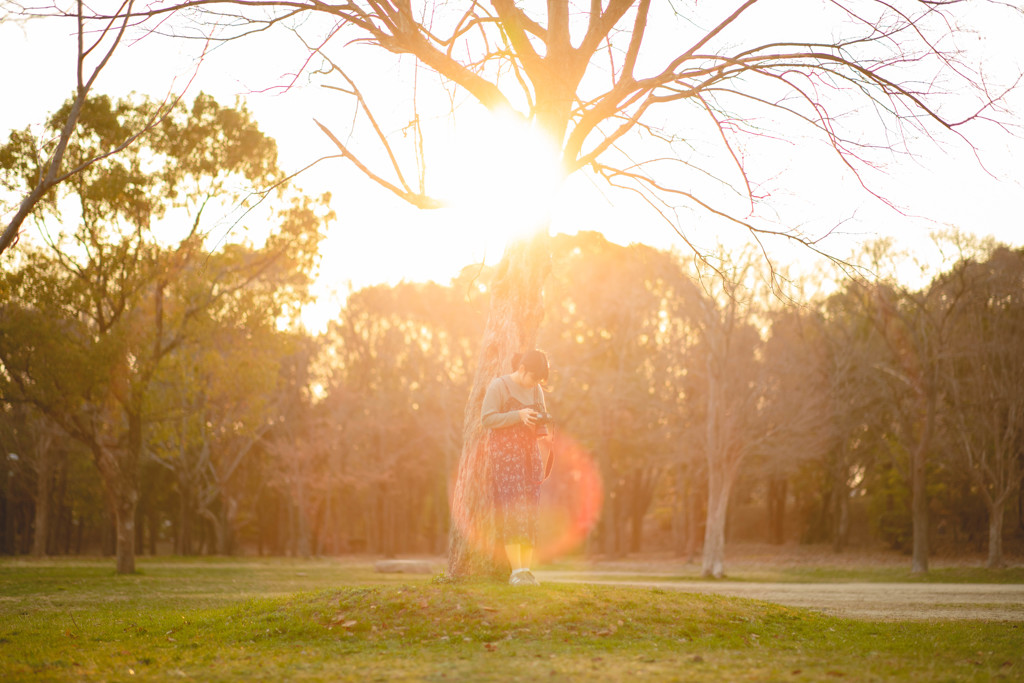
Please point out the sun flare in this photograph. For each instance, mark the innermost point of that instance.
(500, 179)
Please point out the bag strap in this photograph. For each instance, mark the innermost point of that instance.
(508, 394)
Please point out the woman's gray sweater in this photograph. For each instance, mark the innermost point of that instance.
(496, 398)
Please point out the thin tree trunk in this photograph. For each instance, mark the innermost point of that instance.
(387, 522)
(124, 519)
(516, 311)
(719, 483)
(617, 519)
(44, 494)
(302, 525)
(842, 531)
(840, 505)
(681, 509)
(995, 534)
(183, 541)
(154, 529)
(777, 509)
(919, 510)
(219, 523)
(693, 523)
(141, 510)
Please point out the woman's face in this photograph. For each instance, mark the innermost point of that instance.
(530, 379)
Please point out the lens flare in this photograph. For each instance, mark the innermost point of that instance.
(570, 505)
(570, 501)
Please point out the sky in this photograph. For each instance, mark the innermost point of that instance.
(378, 238)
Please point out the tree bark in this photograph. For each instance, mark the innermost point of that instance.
(303, 547)
(995, 534)
(124, 518)
(681, 511)
(777, 486)
(719, 485)
(516, 311)
(44, 494)
(119, 484)
(840, 504)
(693, 523)
(919, 503)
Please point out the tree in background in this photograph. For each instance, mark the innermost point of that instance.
(35, 442)
(607, 340)
(795, 404)
(855, 398)
(281, 434)
(684, 106)
(727, 376)
(113, 303)
(400, 362)
(984, 379)
(914, 326)
(98, 39)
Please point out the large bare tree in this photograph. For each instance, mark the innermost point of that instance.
(693, 106)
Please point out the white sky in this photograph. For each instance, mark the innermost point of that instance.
(379, 239)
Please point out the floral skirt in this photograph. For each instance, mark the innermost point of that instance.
(517, 472)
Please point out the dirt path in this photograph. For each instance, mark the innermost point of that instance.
(873, 601)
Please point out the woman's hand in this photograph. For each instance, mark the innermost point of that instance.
(528, 416)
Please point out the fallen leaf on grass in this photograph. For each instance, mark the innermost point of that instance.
(340, 620)
(490, 647)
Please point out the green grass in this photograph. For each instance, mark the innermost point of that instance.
(818, 573)
(324, 620)
(888, 575)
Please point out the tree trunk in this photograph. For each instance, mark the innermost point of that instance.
(637, 512)
(840, 505)
(44, 494)
(615, 513)
(680, 511)
(693, 523)
(219, 526)
(516, 311)
(124, 519)
(777, 509)
(118, 471)
(183, 539)
(387, 522)
(995, 534)
(302, 548)
(141, 510)
(714, 533)
(154, 530)
(842, 522)
(919, 510)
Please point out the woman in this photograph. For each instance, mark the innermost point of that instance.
(515, 413)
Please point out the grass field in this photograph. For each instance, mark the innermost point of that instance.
(816, 571)
(230, 620)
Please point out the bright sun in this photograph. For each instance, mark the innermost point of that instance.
(501, 179)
